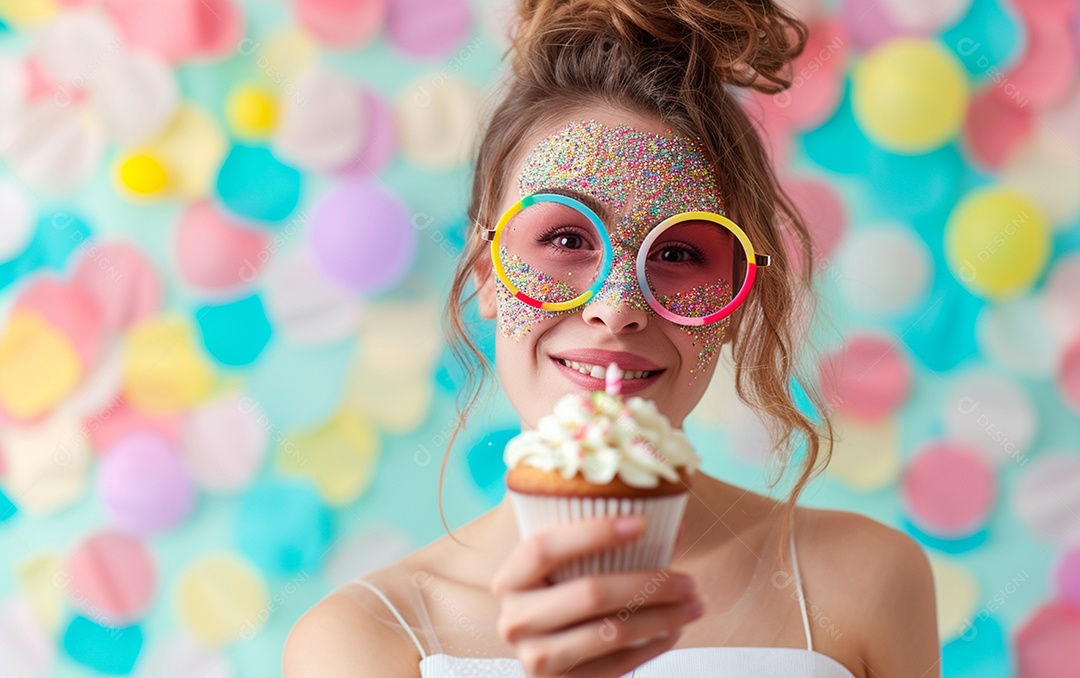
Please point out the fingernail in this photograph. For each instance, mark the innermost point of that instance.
(628, 526)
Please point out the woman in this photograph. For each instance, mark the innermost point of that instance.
(627, 109)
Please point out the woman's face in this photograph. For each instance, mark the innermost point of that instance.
(635, 172)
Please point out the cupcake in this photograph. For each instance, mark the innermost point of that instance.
(599, 455)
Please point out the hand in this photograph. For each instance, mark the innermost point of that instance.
(595, 625)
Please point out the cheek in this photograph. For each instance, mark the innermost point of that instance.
(706, 342)
(516, 317)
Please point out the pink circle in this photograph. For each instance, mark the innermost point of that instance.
(867, 379)
(344, 24)
(428, 29)
(71, 310)
(143, 484)
(773, 128)
(1069, 379)
(869, 23)
(361, 236)
(179, 29)
(1046, 643)
(216, 253)
(123, 281)
(1046, 73)
(1067, 574)
(380, 142)
(995, 128)
(825, 217)
(1061, 9)
(115, 573)
(114, 423)
(816, 86)
(949, 490)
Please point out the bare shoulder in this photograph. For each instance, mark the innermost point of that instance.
(878, 582)
(346, 634)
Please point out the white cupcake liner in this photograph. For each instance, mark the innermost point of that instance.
(652, 550)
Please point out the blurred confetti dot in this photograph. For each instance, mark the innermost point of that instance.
(179, 656)
(1066, 574)
(234, 333)
(1047, 640)
(220, 598)
(143, 484)
(109, 650)
(949, 490)
(283, 527)
(993, 413)
(47, 464)
(215, 253)
(54, 147)
(190, 146)
(165, 372)
(252, 112)
(380, 140)
(867, 378)
(428, 29)
(957, 596)
(1046, 72)
(1047, 496)
(885, 269)
(995, 129)
(1044, 168)
(135, 95)
(988, 40)
(143, 174)
(122, 280)
(18, 227)
(1016, 335)
(322, 122)
(866, 457)
(342, 24)
(437, 121)
(114, 572)
(41, 580)
(981, 651)
(1062, 300)
(305, 306)
(339, 457)
(485, 463)
(373, 547)
(1069, 378)
(824, 214)
(39, 366)
(27, 647)
(224, 443)
(254, 184)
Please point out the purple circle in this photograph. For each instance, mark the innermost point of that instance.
(869, 23)
(362, 236)
(143, 484)
(428, 29)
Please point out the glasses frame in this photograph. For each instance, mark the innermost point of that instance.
(754, 260)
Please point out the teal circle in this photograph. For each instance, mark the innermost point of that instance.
(839, 145)
(7, 508)
(56, 235)
(485, 463)
(283, 526)
(104, 649)
(936, 178)
(235, 333)
(254, 184)
(981, 651)
(988, 40)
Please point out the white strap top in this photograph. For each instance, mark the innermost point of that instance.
(689, 662)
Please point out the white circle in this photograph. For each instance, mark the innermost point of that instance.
(1015, 334)
(73, 47)
(18, 226)
(369, 550)
(306, 306)
(179, 656)
(1047, 496)
(1062, 298)
(885, 269)
(929, 17)
(438, 118)
(135, 95)
(55, 148)
(1045, 168)
(323, 122)
(993, 413)
(25, 645)
(225, 441)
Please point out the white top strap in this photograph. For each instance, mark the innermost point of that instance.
(799, 588)
(397, 615)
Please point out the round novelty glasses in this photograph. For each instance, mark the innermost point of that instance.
(553, 252)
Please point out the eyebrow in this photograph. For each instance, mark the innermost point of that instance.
(602, 210)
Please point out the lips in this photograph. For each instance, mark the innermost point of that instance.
(642, 372)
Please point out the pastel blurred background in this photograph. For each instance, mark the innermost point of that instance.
(226, 234)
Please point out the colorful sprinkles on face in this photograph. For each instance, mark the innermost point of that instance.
(664, 175)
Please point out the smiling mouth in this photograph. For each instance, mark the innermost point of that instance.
(600, 371)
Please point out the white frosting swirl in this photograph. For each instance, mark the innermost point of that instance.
(601, 436)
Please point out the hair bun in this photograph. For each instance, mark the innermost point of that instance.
(749, 43)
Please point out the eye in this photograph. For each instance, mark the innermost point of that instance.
(678, 253)
(565, 238)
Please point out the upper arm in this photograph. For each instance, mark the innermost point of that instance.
(339, 639)
(902, 637)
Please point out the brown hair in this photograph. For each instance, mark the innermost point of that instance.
(676, 61)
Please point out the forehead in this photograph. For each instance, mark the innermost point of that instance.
(632, 171)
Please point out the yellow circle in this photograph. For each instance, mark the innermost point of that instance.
(221, 599)
(997, 242)
(25, 13)
(957, 596)
(252, 112)
(910, 95)
(143, 174)
(339, 457)
(165, 371)
(192, 145)
(865, 457)
(38, 365)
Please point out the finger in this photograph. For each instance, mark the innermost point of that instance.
(624, 661)
(570, 602)
(536, 557)
(557, 653)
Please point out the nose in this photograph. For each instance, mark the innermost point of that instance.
(622, 319)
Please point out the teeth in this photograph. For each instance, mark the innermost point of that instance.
(600, 372)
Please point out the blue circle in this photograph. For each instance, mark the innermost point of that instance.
(906, 185)
(941, 332)
(7, 508)
(952, 546)
(485, 462)
(56, 235)
(254, 184)
(988, 40)
(235, 333)
(839, 145)
(283, 526)
(108, 650)
(980, 651)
